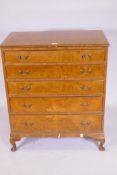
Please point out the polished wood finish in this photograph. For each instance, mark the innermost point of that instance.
(53, 88)
(61, 56)
(57, 72)
(56, 105)
(56, 123)
(62, 38)
(55, 84)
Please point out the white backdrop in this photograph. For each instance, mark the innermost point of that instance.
(57, 14)
(66, 156)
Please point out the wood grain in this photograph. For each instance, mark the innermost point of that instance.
(56, 71)
(56, 123)
(43, 88)
(62, 38)
(56, 104)
(51, 56)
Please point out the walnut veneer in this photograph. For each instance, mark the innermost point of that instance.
(55, 84)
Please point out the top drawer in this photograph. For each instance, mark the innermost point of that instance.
(55, 56)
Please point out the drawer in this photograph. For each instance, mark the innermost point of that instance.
(56, 123)
(60, 56)
(56, 104)
(42, 88)
(56, 71)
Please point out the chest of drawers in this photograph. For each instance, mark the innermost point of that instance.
(55, 84)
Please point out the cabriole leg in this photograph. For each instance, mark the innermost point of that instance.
(12, 141)
(101, 145)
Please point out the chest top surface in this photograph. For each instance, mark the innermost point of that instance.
(61, 38)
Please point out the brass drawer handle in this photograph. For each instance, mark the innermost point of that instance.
(85, 123)
(22, 88)
(85, 71)
(27, 88)
(86, 57)
(21, 72)
(90, 56)
(23, 57)
(28, 124)
(83, 87)
(27, 105)
(83, 104)
(27, 72)
(26, 57)
(89, 70)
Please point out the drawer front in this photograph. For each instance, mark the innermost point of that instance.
(56, 104)
(56, 71)
(61, 56)
(56, 123)
(55, 88)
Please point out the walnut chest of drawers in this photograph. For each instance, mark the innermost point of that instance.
(55, 84)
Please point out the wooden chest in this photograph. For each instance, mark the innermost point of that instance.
(55, 84)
